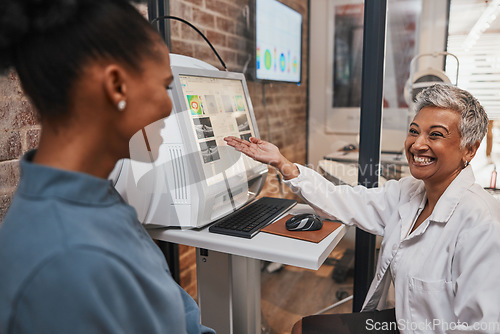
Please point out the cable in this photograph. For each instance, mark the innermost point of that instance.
(170, 17)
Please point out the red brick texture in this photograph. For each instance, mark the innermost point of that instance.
(19, 132)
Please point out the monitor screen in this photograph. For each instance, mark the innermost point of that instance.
(196, 177)
(278, 42)
(217, 108)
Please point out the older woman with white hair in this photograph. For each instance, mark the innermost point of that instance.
(441, 230)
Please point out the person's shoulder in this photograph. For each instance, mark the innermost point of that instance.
(478, 202)
(48, 277)
(28, 234)
(73, 274)
(86, 282)
(477, 217)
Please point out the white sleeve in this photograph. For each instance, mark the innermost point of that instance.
(476, 303)
(369, 209)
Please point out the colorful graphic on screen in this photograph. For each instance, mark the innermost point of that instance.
(240, 103)
(194, 103)
(257, 58)
(289, 62)
(278, 42)
(282, 63)
(275, 59)
(268, 59)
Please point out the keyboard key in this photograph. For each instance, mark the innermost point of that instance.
(247, 221)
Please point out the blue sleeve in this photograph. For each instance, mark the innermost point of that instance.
(89, 291)
(193, 315)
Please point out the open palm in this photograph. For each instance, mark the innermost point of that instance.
(256, 149)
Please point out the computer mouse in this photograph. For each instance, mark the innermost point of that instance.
(304, 222)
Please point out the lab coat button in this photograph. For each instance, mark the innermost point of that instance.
(379, 276)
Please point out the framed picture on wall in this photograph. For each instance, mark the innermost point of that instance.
(344, 93)
(345, 66)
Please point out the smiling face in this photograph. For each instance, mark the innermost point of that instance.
(433, 146)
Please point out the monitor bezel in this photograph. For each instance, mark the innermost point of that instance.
(252, 69)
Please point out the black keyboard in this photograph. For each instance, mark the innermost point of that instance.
(248, 221)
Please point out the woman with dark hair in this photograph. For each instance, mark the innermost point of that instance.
(73, 256)
(441, 230)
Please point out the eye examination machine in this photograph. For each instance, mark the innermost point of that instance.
(181, 172)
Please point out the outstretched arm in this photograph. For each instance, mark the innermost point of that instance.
(264, 152)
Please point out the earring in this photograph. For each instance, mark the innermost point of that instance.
(466, 163)
(121, 105)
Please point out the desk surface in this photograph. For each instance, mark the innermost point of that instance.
(263, 246)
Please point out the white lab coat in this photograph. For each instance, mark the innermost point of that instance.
(446, 273)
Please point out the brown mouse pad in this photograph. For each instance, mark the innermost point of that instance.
(279, 228)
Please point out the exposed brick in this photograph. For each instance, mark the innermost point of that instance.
(27, 115)
(182, 10)
(9, 86)
(242, 59)
(5, 200)
(218, 7)
(198, 3)
(270, 100)
(32, 139)
(203, 19)
(225, 25)
(16, 113)
(175, 29)
(229, 56)
(216, 38)
(10, 145)
(241, 29)
(237, 3)
(189, 34)
(8, 114)
(182, 47)
(234, 11)
(238, 43)
(9, 175)
(204, 52)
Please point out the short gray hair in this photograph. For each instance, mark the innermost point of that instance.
(473, 119)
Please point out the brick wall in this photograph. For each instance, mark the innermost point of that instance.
(19, 132)
(223, 23)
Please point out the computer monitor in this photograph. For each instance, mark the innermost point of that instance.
(277, 51)
(195, 178)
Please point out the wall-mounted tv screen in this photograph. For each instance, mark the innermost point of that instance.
(278, 42)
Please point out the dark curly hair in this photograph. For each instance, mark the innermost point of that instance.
(48, 42)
